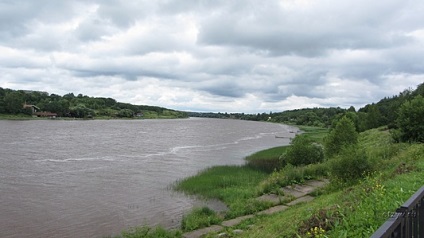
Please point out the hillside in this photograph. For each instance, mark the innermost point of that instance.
(371, 172)
(12, 104)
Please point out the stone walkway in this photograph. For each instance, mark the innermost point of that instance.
(292, 195)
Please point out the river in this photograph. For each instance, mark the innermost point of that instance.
(94, 178)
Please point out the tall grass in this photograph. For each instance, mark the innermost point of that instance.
(234, 185)
(266, 160)
(200, 217)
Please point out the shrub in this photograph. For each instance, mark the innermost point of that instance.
(350, 165)
(303, 152)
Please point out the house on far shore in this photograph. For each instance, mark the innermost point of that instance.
(34, 108)
(36, 111)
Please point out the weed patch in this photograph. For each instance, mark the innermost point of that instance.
(321, 222)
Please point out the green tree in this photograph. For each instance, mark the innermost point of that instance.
(303, 151)
(374, 117)
(81, 111)
(411, 120)
(2, 106)
(13, 102)
(125, 113)
(343, 134)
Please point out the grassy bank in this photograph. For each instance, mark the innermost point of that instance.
(238, 186)
(234, 185)
(353, 208)
(356, 210)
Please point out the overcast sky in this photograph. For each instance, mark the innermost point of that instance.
(223, 56)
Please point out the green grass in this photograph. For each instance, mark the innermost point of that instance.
(354, 210)
(271, 153)
(200, 217)
(238, 186)
(266, 160)
(317, 134)
(234, 185)
(149, 232)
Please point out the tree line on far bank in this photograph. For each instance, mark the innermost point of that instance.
(80, 106)
(385, 112)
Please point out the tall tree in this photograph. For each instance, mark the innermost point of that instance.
(13, 102)
(411, 120)
(343, 134)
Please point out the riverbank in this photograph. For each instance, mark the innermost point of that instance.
(239, 186)
(342, 209)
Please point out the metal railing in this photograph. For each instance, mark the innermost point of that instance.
(407, 221)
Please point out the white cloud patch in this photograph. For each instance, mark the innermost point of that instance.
(236, 56)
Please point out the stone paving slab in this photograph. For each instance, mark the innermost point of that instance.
(317, 183)
(300, 200)
(273, 198)
(236, 221)
(304, 188)
(299, 192)
(273, 210)
(201, 232)
(288, 191)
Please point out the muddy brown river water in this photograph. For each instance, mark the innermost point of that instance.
(96, 178)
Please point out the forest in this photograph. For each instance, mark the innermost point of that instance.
(80, 106)
(384, 112)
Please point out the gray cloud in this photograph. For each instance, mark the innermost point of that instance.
(249, 56)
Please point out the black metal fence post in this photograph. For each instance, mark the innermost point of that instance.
(408, 221)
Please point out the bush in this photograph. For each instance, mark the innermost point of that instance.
(302, 152)
(350, 165)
